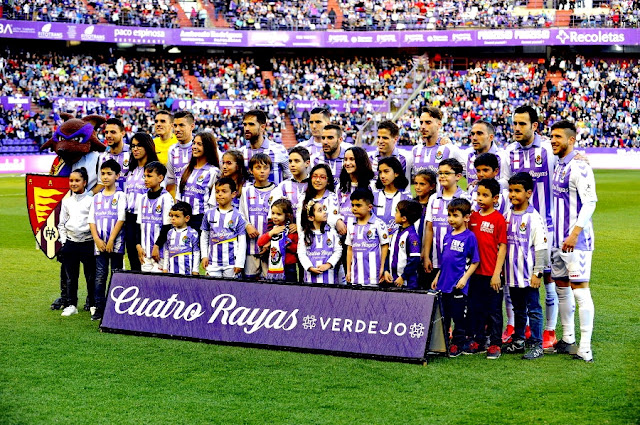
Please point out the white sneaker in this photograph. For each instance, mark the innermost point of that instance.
(68, 311)
(586, 356)
(92, 310)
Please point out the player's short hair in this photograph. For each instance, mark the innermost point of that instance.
(111, 164)
(527, 109)
(184, 207)
(164, 112)
(115, 121)
(302, 151)
(323, 111)
(184, 114)
(335, 127)
(432, 111)
(157, 167)
(490, 128)
(461, 205)
(522, 178)
(565, 125)
(390, 126)
(489, 159)
(410, 209)
(260, 158)
(227, 180)
(492, 185)
(259, 115)
(453, 163)
(362, 194)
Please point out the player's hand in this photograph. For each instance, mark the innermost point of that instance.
(535, 282)
(263, 249)
(387, 277)
(569, 244)
(348, 276)
(252, 232)
(399, 282)
(428, 266)
(444, 140)
(109, 246)
(165, 271)
(276, 230)
(380, 278)
(496, 283)
(434, 284)
(237, 270)
(204, 263)
(140, 253)
(195, 273)
(581, 157)
(461, 283)
(293, 228)
(324, 267)
(155, 253)
(341, 227)
(315, 270)
(101, 245)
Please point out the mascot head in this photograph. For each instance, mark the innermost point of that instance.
(76, 137)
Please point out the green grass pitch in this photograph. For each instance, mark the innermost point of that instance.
(62, 370)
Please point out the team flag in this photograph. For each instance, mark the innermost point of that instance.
(44, 200)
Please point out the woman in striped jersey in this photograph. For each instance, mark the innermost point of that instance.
(356, 172)
(199, 177)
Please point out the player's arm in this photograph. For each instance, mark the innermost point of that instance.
(303, 258)
(64, 217)
(539, 240)
(384, 250)
(586, 188)
(427, 243)
(196, 257)
(434, 284)
(204, 243)
(465, 277)
(496, 282)
(242, 253)
(349, 260)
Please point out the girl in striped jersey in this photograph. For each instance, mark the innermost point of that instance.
(320, 250)
(223, 241)
(356, 172)
(143, 151)
(321, 189)
(199, 177)
(233, 167)
(391, 186)
(282, 243)
(254, 207)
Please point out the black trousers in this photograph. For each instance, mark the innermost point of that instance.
(131, 228)
(485, 309)
(454, 306)
(74, 253)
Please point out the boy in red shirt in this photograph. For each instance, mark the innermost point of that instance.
(485, 292)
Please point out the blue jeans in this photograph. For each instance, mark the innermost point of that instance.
(526, 302)
(102, 273)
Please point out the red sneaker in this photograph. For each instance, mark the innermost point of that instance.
(454, 350)
(527, 333)
(506, 335)
(548, 339)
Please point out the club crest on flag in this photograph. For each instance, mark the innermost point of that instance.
(44, 201)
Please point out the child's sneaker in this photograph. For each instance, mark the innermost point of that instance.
(70, 310)
(548, 340)
(97, 314)
(473, 348)
(57, 304)
(454, 350)
(508, 332)
(586, 356)
(562, 347)
(513, 347)
(534, 353)
(493, 352)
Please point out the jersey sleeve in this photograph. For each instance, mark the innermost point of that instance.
(64, 217)
(171, 171)
(472, 247)
(383, 232)
(92, 209)
(538, 231)
(428, 216)
(337, 250)
(413, 245)
(501, 229)
(350, 229)
(167, 203)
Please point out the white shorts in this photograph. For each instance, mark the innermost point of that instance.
(226, 273)
(573, 266)
(151, 265)
(255, 266)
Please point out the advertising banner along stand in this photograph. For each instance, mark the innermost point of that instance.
(396, 325)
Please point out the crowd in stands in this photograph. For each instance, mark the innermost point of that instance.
(280, 15)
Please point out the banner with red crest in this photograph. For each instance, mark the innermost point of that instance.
(44, 200)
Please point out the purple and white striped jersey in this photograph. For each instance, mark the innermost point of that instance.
(405, 244)
(324, 248)
(197, 189)
(152, 215)
(122, 159)
(181, 252)
(472, 176)
(375, 159)
(134, 188)
(526, 234)
(428, 157)
(329, 201)
(179, 157)
(105, 212)
(503, 204)
(312, 146)
(292, 190)
(279, 159)
(224, 239)
(384, 207)
(573, 186)
(438, 215)
(366, 242)
(335, 164)
(538, 160)
(254, 206)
